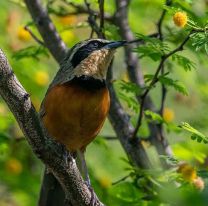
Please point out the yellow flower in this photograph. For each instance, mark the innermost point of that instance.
(168, 115)
(68, 20)
(23, 34)
(14, 166)
(198, 183)
(41, 78)
(187, 171)
(180, 19)
(67, 36)
(105, 182)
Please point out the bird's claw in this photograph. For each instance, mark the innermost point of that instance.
(94, 198)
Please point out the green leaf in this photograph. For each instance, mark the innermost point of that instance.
(18, 2)
(3, 138)
(186, 63)
(129, 87)
(154, 116)
(200, 41)
(111, 31)
(178, 86)
(101, 142)
(171, 9)
(127, 192)
(153, 48)
(4, 145)
(148, 77)
(32, 51)
(195, 134)
(128, 92)
(131, 102)
(170, 160)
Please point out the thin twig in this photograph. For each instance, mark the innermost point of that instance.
(163, 97)
(45, 26)
(163, 87)
(34, 36)
(140, 40)
(42, 144)
(92, 21)
(154, 81)
(161, 19)
(101, 7)
(121, 180)
(134, 69)
(81, 9)
(120, 121)
(110, 138)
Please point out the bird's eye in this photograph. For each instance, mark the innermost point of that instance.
(95, 44)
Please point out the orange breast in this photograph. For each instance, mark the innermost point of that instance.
(74, 115)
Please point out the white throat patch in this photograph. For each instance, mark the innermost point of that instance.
(95, 65)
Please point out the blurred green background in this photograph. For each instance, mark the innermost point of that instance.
(21, 171)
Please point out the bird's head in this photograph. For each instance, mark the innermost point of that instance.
(92, 57)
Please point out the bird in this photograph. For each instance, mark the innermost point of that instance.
(77, 101)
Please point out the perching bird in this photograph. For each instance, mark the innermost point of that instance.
(77, 101)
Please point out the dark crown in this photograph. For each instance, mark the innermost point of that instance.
(82, 50)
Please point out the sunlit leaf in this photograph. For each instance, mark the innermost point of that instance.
(153, 116)
(195, 134)
(148, 77)
(33, 51)
(153, 48)
(200, 41)
(170, 160)
(129, 87)
(112, 31)
(128, 92)
(185, 62)
(178, 86)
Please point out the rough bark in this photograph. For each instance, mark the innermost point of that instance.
(47, 29)
(43, 146)
(135, 73)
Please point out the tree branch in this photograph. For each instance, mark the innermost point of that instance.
(123, 128)
(47, 29)
(155, 80)
(134, 70)
(101, 7)
(119, 119)
(80, 9)
(92, 21)
(33, 36)
(161, 19)
(121, 19)
(43, 146)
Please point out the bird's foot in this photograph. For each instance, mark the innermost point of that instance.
(66, 155)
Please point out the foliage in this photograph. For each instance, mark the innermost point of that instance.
(153, 48)
(32, 51)
(185, 62)
(154, 116)
(127, 92)
(195, 134)
(200, 41)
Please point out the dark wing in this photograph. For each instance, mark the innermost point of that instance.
(64, 74)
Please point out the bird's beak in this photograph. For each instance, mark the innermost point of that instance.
(114, 44)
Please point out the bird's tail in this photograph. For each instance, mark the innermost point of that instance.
(51, 193)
